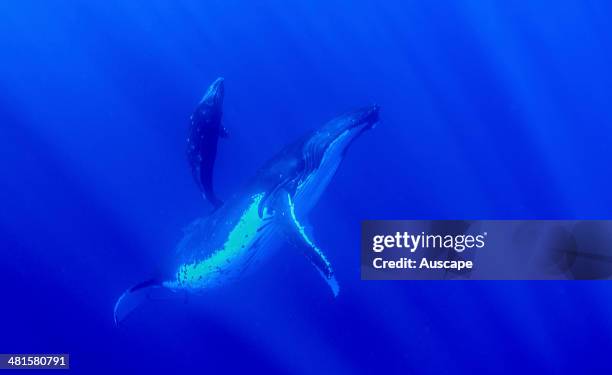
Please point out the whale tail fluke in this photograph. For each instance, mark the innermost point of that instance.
(136, 295)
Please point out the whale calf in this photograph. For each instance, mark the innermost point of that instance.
(204, 133)
(269, 211)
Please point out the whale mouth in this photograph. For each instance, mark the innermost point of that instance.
(367, 117)
(373, 114)
(356, 123)
(337, 135)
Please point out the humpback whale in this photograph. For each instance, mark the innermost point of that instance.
(269, 211)
(204, 132)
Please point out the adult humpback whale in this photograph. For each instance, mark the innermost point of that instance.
(269, 210)
(204, 132)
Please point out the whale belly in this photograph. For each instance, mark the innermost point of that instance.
(246, 243)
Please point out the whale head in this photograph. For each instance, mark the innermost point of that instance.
(324, 150)
(208, 113)
(340, 132)
(214, 95)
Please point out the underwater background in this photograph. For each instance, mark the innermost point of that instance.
(489, 109)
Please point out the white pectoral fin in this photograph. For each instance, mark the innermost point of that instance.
(298, 236)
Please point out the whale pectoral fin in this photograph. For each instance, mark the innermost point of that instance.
(297, 235)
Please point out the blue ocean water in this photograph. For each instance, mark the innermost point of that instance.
(490, 110)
